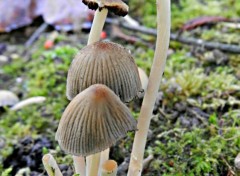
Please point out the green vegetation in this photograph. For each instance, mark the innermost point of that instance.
(206, 146)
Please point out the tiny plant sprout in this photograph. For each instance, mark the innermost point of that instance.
(7, 98)
(118, 7)
(109, 168)
(104, 63)
(93, 121)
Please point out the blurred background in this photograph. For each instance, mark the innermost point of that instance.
(195, 128)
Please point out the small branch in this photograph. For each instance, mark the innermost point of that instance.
(36, 34)
(179, 38)
(147, 161)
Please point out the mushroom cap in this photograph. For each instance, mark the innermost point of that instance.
(93, 121)
(118, 7)
(104, 63)
(7, 98)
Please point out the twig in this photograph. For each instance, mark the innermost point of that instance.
(36, 34)
(182, 39)
(228, 165)
(147, 161)
(165, 133)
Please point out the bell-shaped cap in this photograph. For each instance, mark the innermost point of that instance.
(93, 121)
(104, 63)
(118, 7)
(7, 98)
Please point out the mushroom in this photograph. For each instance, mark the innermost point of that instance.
(109, 168)
(104, 63)
(118, 7)
(163, 36)
(7, 98)
(93, 121)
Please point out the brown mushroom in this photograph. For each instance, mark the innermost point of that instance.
(118, 7)
(102, 6)
(104, 63)
(93, 121)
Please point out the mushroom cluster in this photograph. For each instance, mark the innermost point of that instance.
(101, 78)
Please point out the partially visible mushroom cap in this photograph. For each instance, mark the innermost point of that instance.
(93, 121)
(7, 98)
(104, 63)
(118, 7)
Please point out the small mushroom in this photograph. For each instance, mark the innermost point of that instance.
(104, 63)
(118, 7)
(109, 168)
(7, 98)
(93, 121)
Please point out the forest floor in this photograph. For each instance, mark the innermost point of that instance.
(195, 129)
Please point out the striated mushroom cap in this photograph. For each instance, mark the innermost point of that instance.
(118, 7)
(7, 98)
(93, 121)
(104, 63)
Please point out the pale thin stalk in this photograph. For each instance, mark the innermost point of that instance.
(94, 36)
(79, 165)
(163, 35)
(51, 166)
(104, 158)
(97, 26)
(93, 164)
(105, 155)
(109, 168)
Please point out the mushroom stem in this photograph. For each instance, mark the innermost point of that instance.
(163, 35)
(104, 158)
(79, 165)
(98, 23)
(109, 168)
(51, 166)
(93, 162)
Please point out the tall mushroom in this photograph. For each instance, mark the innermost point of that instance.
(93, 121)
(163, 35)
(118, 7)
(104, 63)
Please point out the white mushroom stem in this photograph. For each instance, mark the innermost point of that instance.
(51, 166)
(163, 34)
(94, 36)
(104, 158)
(97, 26)
(93, 162)
(79, 165)
(109, 168)
(29, 101)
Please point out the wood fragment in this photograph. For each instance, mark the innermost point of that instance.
(179, 38)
